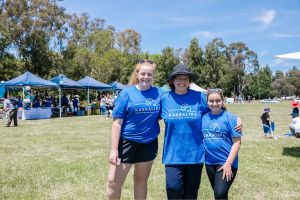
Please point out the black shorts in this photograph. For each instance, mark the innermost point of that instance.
(134, 152)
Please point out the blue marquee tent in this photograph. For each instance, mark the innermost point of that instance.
(65, 83)
(29, 79)
(118, 86)
(90, 83)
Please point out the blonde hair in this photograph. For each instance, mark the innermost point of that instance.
(133, 78)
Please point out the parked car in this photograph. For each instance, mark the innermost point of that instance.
(298, 100)
(288, 97)
(269, 101)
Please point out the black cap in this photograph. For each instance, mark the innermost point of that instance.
(182, 69)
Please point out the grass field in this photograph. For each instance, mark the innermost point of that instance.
(67, 159)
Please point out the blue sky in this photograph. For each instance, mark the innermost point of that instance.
(268, 27)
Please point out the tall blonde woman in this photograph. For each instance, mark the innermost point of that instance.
(134, 132)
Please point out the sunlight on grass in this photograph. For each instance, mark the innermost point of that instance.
(67, 159)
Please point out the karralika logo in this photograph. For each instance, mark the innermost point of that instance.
(149, 106)
(183, 112)
(151, 102)
(214, 132)
(185, 108)
(215, 127)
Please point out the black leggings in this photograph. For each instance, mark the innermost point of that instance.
(220, 186)
(183, 181)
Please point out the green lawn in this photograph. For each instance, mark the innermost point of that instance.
(67, 159)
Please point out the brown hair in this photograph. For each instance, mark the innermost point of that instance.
(133, 78)
(217, 91)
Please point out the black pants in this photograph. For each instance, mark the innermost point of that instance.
(13, 116)
(220, 186)
(183, 181)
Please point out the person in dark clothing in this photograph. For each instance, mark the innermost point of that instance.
(266, 122)
(75, 102)
(11, 105)
(295, 111)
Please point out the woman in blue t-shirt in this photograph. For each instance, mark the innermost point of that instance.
(222, 143)
(183, 151)
(134, 132)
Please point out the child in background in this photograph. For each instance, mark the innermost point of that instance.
(222, 143)
(267, 124)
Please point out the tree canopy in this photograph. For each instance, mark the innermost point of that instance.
(39, 36)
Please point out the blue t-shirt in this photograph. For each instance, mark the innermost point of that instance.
(182, 114)
(75, 102)
(139, 111)
(218, 131)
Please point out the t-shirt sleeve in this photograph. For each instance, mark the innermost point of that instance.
(120, 108)
(204, 106)
(232, 122)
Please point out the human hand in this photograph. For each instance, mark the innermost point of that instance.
(114, 157)
(227, 172)
(239, 126)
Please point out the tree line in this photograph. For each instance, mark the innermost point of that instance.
(39, 36)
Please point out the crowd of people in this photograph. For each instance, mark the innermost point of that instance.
(69, 103)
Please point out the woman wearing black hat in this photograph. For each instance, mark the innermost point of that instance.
(183, 151)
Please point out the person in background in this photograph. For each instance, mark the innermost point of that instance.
(48, 101)
(266, 122)
(295, 126)
(19, 101)
(75, 102)
(103, 105)
(109, 105)
(222, 143)
(295, 111)
(64, 101)
(36, 102)
(134, 132)
(11, 106)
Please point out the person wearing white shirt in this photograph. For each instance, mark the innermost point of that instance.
(295, 126)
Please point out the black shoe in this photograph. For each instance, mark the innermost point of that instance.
(7, 126)
(15, 125)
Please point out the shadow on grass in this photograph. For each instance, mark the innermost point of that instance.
(291, 151)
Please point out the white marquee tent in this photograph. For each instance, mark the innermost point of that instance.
(295, 55)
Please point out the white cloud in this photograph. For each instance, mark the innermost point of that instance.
(267, 17)
(285, 35)
(205, 34)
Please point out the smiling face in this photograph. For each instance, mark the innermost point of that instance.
(181, 84)
(215, 102)
(145, 76)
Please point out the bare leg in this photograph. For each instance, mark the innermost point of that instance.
(141, 175)
(116, 177)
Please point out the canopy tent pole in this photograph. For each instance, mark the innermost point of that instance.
(88, 101)
(59, 100)
(23, 96)
(88, 97)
